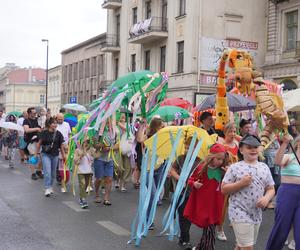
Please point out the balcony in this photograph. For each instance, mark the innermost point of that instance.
(297, 50)
(112, 4)
(149, 30)
(111, 44)
(278, 1)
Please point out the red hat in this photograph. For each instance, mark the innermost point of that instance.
(217, 148)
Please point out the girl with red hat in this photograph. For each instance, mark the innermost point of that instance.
(205, 204)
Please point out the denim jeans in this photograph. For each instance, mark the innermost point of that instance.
(49, 167)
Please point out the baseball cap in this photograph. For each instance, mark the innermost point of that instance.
(250, 140)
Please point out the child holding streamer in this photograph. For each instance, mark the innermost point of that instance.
(205, 204)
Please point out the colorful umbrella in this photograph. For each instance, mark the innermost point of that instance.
(11, 125)
(75, 107)
(178, 102)
(235, 103)
(167, 135)
(170, 113)
(15, 113)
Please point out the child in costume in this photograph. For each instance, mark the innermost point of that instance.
(205, 204)
(251, 187)
(175, 172)
(83, 167)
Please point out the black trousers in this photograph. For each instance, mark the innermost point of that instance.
(184, 223)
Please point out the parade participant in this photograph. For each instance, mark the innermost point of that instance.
(31, 131)
(103, 168)
(65, 130)
(251, 187)
(205, 204)
(42, 118)
(207, 122)
(51, 142)
(287, 211)
(125, 148)
(245, 127)
(10, 141)
(2, 119)
(292, 128)
(22, 143)
(83, 162)
(175, 171)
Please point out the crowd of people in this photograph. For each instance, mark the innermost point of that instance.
(237, 178)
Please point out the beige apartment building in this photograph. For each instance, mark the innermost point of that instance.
(282, 61)
(184, 38)
(24, 88)
(84, 71)
(54, 89)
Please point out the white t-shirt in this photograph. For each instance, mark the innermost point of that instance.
(20, 122)
(65, 130)
(85, 165)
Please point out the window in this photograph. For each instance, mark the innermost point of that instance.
(81, 70)
(182, 5)
(134, 15)
(148, 9)
(75, 71)
(163, 59)
(118, 29)
(93, 66)
(87, 68)
(180, 56)
(133, 63)
(65, 73)
(42, 99)
(116, 68)
(147, 59)
(291, 29)
(164, 9)
(101, 64)
(70, 73)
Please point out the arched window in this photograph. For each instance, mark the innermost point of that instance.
(288, 84)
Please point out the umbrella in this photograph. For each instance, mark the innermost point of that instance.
(15, 113)
(170, 113)
(11, 125)
(291, 100)
(235, 103)
(165, 141)
(75, 107)
(178, 102)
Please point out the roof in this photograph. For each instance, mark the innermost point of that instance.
(85, 43)
(31, 75)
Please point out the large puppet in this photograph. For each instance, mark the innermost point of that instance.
(250, 83)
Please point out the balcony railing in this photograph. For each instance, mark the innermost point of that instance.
(111, 4)
(149, 30)
(278, 1)
(111, 44)
(298, 49)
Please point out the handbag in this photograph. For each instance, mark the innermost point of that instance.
(47, 148)
(126, 144)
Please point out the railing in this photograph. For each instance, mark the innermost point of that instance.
(148, 25)
(112, 1)
(111, 41)
(278, 1)
(298, 49)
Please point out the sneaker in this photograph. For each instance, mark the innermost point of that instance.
(11, 165)
(34, 177)
(286, 242)
(185, 244)
(89, 189)
(47, 192)
(220, 235)
(51, 190)
(39, 174)
(123, 190)
(63, 190)
(292, 245)
(83, 204)
(151, 227)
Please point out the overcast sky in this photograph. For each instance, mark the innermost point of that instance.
(23, 23)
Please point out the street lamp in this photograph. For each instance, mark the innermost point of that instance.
(46, 99)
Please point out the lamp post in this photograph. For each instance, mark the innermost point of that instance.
(46, 99)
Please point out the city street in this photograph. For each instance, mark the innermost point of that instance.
(29, 220)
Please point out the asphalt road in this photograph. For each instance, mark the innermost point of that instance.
(29, 220)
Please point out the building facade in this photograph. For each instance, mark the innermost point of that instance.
(54, 89)
(25, 88)
(282, 60)
(84, 71)
(184, 38)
